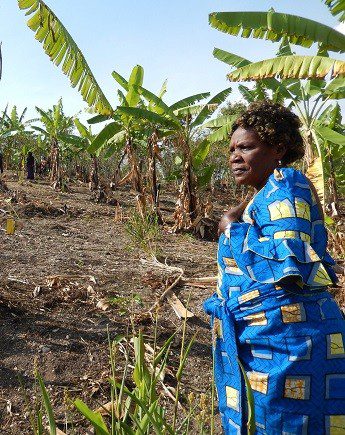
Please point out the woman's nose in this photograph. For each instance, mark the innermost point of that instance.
(235, 157)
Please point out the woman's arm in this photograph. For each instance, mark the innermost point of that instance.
(287, 238)
(232, 215)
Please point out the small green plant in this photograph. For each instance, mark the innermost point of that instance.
(41, 403)
(135, 408)
(125, 303)
(143, 231)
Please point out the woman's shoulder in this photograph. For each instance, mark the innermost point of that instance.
(289, 177)
(285, 183)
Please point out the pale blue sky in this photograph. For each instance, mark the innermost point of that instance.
(169, 38)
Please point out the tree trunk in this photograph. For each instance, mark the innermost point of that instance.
(55, 170)
(309, 154)
(333, 187)
(152, 175)
(94, 178)
(136, 177)
(117, 174)
(187, 205)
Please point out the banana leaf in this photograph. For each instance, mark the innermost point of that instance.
(275, 26)
(59, 45)
(290, 67)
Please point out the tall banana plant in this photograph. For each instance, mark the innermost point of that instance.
(56, 129)
(283, 75)
(15, 135)
(183, 121)
(336, 7)
(275, 26)
(122, 130)
(62, 50)
(83, 142)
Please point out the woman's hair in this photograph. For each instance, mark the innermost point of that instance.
(276, 126)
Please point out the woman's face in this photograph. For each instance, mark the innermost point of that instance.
(251, 160)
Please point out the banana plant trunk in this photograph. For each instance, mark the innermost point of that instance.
(55, 171)
(152, 175)
(333, 187)
(309, 154)
(136, 178)
(94, 178)
(187, 205)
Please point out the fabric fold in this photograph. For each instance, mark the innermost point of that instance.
(270, 260)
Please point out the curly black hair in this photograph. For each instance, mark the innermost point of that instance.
(275, 125)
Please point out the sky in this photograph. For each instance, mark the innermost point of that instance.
(170, 39)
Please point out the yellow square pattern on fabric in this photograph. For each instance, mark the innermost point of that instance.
(292, 313)
(295, 389)
(256, 319)
(232, 398)
(337, 424)
(258, 381)
(321, 277)
(233, 271)
(249, 296)
(230, 262)
(305, 237)
(302, 209)
(281, 209)
(217, 328)
(336, 344)
(310, 253)
(286, 235)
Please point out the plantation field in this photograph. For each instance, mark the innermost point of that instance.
(68, 273)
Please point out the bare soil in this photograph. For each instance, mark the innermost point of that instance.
(67, 261)
(70, 274)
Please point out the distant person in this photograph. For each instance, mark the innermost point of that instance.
(1, 163)
(30, 166)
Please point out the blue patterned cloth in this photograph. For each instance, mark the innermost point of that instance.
(289, 335)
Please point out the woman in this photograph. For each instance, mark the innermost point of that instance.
(272, 311)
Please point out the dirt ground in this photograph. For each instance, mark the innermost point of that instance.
(67, 261)
(68, 274)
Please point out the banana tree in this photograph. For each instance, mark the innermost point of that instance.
(282, 75)
(275, 26)
(183, 121)
(153, 133)
(329, 136)
(16, 136)
(309, 98)
(83, 142)
(57, 128)
(62, 50)
(122, 131)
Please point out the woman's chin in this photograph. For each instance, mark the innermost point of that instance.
(241, 180)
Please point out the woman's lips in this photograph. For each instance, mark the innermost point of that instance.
(239, 171)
